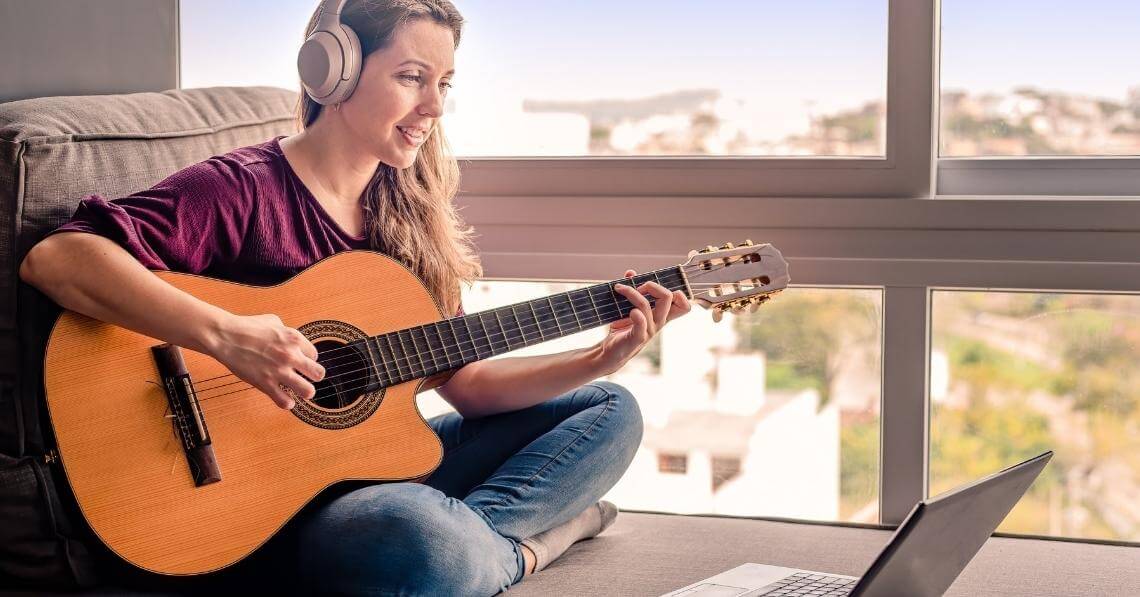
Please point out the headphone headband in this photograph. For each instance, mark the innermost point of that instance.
(329, 60)
(330, 10)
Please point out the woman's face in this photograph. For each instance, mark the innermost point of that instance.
(399, 98)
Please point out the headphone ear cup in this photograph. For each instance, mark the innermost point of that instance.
(329, 64)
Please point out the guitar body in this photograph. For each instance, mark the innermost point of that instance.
(128, 469)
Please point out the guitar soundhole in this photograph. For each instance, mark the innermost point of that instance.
(346, 375)
(349, 394)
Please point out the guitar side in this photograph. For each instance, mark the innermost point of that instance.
(127, 467)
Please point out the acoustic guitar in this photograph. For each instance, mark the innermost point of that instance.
(182, 468)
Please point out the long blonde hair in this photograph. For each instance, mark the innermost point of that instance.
(409, 214)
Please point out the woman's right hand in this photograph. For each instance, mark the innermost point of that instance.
(269, 355)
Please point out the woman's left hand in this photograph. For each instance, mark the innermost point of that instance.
(629, 335)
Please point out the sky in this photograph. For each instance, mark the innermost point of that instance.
(809, 55)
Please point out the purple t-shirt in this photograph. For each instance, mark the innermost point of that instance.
(243, 216)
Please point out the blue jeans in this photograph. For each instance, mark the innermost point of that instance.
(503, 478)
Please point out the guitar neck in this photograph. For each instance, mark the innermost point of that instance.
(422, 351)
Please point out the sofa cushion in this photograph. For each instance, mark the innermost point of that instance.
(55, 150)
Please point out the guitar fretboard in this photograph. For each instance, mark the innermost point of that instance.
(417, 352)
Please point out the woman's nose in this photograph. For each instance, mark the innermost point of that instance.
(432, 104)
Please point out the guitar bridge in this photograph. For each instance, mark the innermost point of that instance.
(189, 422)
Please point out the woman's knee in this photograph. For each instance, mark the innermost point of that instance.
(407, 538)
(625, 417)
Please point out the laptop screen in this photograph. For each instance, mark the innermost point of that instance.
(941, 535)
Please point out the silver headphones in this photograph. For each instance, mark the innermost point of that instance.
(329, 60)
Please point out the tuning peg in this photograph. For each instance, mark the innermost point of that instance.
(717, 314)
(747, 242)
(692, 253)
(727, 246)
(753, 306)
(709, 249)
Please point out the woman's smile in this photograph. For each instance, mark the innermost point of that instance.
(414, 136)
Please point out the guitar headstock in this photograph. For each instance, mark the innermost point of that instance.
(733, 278)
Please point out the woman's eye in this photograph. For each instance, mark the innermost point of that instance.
(415, 78)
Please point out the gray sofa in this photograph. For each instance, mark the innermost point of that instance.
(55, 150)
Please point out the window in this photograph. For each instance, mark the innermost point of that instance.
(650, 92)
(1016, 373)
(1040, 78)
(677, 464)
(769, 78)
(253, 42)
(904, 222)
(1043, 79)
(791, 391)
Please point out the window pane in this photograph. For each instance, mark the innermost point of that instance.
(252, 42)
(774, 413)
(641, 78)
(612, 78)
(1014, 374)
(1040, 77)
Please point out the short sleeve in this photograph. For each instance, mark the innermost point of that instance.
(193, 219)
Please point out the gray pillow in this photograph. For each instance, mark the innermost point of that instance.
(55, 150)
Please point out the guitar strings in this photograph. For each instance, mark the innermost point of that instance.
(572, 302)
(575, 303)
(602, 311)
(229, 408)
(226, 409)
(526, 336)
(419, 354)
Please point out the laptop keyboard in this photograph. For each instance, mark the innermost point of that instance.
(807, 583)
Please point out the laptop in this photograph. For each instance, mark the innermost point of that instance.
(924, 556)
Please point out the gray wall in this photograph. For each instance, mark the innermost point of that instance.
(79, 47)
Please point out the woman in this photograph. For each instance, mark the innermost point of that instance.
(534, 443)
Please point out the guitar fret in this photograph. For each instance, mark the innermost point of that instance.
(614, 295)
(502, 337)
(506, 338)
(574, 310)
(590, 293)
(419, 354)
(407, 356)
(474, 339)
(470, 340)
(437, 365)
(537, 323)
(416, 352)
(395, 357)
(376, 362)
(435, 340)
(563, 305)
(486, 335)
(554, 314)
(518, 325)
(519, 321)
(428, 352)
(457, 345)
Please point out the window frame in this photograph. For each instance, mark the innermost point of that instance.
(909, 223)
(904, 171)
(555, 221)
